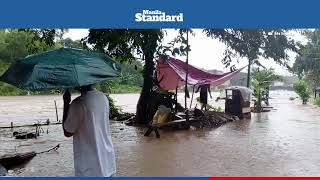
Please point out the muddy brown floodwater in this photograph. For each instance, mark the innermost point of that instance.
(283, 142)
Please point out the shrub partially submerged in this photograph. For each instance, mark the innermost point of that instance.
(302, 89)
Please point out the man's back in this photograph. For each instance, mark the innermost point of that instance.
(88, 117)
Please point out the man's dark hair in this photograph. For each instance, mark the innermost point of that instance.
(85, 88)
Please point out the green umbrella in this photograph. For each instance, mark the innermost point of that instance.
(61, 68)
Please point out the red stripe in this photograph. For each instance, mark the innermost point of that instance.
(264, 178)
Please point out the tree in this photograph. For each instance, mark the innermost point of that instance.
(302, 89)
(125, 45)
(130, 45)
(307, 63)
(254, 44)
(13, 45)
(131, 73)
(71, 44)
(42, 39)
(261, 81)
(16, 44)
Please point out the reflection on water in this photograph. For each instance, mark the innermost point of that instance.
(282, 142)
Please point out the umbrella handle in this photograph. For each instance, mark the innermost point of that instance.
(66, 90)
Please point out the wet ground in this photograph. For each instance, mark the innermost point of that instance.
(283, 142)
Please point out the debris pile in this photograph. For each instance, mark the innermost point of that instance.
(124, 117)
(211, 119)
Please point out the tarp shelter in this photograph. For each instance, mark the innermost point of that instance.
(172, 74)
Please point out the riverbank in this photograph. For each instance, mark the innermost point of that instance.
(8, 90)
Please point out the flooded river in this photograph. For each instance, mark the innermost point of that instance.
(283, 142)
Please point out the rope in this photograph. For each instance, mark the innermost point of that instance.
(54, 148)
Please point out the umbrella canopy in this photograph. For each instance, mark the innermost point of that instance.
(61, 68)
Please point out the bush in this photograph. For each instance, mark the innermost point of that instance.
(317, 101)
(301, 88)
(114, 110)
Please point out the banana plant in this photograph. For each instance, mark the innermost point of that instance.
(261, 81)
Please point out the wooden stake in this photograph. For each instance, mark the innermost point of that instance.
(55, 105)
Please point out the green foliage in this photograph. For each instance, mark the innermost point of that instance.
(15, 45)
(307, 63)
(43, 37)
(301, 88)
(131, 74)
(219, 109)
(129, 81)
(254, 43)
(261, 81)
(178, 46)
(71, 44)
(317, 101)
(114, 110)
(125, 44)
(124, 88)
(211, 108)
(7, 89)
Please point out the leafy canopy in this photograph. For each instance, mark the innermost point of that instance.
(307, 63)
(254, 44)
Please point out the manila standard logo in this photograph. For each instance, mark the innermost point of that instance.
(157, 16)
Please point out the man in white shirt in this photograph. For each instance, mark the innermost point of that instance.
(87, 120)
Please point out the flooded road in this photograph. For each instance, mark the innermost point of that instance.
(283, 142)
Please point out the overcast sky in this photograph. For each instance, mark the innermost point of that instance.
(205, 52)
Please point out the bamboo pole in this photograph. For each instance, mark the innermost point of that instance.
(28, 125)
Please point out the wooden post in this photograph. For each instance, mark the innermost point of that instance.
(249, 74)
(176, 99)
(192, 96)
(11, 125)
(176, 96)
(55, 104)
(186, 85)
(37, 130)
(267, 96)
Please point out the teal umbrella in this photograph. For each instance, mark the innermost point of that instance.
(59, 69)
